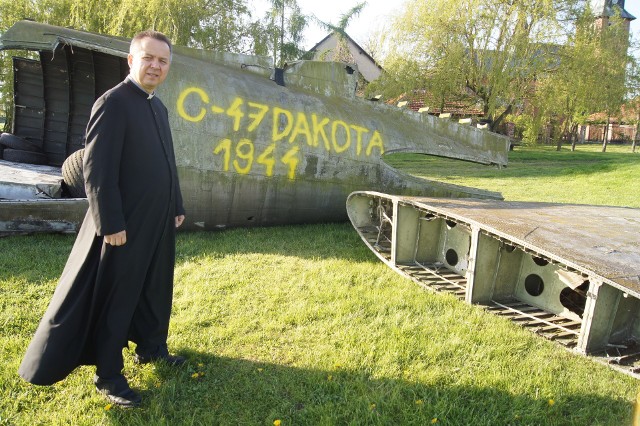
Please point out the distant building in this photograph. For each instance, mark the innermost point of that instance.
(330, 49)
(617, 128)
(605, 9)
(423, 101)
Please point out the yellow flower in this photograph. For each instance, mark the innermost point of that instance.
(434, 420)
(419, 402)
(276, 422)
(108, 407)
(195, 375)
(260, 370)
(329, 377)
(200, 364)
(551, 402)
(372, 406)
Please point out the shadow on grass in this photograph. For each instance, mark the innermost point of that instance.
(216, 390)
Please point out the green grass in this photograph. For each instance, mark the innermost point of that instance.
(586, 176)
(303, 324)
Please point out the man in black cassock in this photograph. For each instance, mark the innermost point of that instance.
(117, 285)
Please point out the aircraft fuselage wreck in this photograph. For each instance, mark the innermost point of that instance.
(254, 146)
(258, 146)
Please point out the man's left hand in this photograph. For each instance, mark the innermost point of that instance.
(179, 220)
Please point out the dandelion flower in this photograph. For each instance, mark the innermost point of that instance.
(200, 364)
(329, 377)
(551, 402)
(195, 375)
(372, 406)
(260, 370)
(419, 402)
(434, 420)
(277, 422)
(108, 407)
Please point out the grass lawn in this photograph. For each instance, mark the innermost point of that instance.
(585, 176)
(302, 325)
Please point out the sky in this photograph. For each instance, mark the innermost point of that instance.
(375, 15)
(372, 18)
(633, 7)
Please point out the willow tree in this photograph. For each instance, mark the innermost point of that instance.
(633, 101)
(490, 50)
(610, 68)
(588, 77)
(564, 94)
(223, 25)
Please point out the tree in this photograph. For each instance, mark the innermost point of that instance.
(610, 69)
(487, 49)
(633, 101)
(565, 93)
(587, 77)
(222, 25)
(283, 26)
(341, 52)
(544, 59)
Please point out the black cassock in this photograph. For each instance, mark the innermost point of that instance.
(109, 295)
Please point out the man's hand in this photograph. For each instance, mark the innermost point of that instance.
(179, 220)
(117, 239)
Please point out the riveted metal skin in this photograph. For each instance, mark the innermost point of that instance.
(250, 151)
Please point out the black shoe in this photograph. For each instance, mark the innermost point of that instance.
(117, 391)
(172, 360)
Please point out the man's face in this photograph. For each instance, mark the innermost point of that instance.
(149, 63)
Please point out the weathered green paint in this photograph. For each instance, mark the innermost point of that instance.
(252, 152)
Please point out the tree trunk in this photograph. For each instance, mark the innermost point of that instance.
(282, 36)
(573, 136)
(635, 137)
(498, 120)
(606, 132)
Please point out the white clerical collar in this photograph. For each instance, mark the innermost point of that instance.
(150, 95)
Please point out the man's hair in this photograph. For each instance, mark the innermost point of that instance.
(150, 34)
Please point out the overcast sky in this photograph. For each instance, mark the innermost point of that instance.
(375, 15)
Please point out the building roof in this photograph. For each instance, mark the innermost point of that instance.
(628, 114)
(421, 98)
(609, 8)
(353, 47)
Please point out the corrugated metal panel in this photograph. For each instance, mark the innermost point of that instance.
(56, 90)
(81, 72)
(28, 100)
(108, 71)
